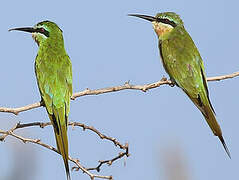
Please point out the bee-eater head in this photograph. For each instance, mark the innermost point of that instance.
(163, 23)
(44, 31)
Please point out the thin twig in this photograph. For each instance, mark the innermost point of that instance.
(109, 162)
(127, 85)
(219, 78)
(38, 141)
(16, 111)
(73, 124)
(102, 136)
(84, 170)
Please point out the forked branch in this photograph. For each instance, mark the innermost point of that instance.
(77, 166)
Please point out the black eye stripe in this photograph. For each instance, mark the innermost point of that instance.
(166, 21)
(43, 31)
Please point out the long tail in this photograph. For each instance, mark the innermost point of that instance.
(204, 105)
(59, 120)
(212, 122)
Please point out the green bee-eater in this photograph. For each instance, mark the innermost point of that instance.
(54, 78)
(182, 61)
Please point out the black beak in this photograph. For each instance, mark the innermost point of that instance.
(148, 18)
(25, 29)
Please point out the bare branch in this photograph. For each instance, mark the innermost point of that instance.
(16, 111)
(102, 136)
(84, 170)
(73, 124)
(109, 162)
(38, 141)
(219, 78)
(127, 85)
(76, 161)
(143, 88)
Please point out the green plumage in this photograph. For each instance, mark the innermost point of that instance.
(183, 63)
(54, 78)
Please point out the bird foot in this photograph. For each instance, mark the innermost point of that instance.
(173, 83)
(42, 103)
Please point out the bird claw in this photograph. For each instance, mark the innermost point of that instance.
(173, 82)
(42, 103)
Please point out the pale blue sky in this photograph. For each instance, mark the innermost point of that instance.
(108, 48)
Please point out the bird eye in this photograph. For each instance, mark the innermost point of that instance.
(42, 30)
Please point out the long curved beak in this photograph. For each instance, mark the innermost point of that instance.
(148, 18)
(25, 29)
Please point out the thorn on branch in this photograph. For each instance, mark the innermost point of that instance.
(163, 78)
(24, 141)
(127, 83)
(2, 138)
(42, 125)
(15, 112)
